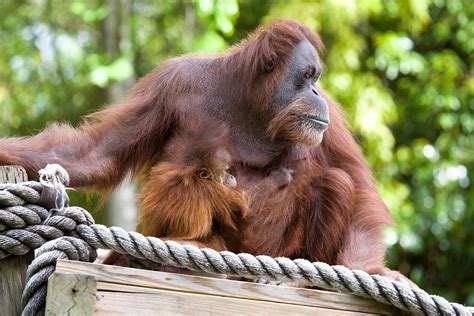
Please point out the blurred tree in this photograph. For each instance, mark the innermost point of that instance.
(403, 70)
(117, 39)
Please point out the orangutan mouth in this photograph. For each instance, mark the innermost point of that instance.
(317, 120)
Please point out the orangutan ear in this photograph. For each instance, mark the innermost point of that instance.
(269, 63)
(267, 54)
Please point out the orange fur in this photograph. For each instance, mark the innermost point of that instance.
(330, 211)
(176, 203)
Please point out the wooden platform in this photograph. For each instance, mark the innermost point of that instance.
(78, 288)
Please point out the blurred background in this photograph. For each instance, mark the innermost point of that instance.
(403, 70)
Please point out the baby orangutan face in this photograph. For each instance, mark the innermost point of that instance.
(218, 169)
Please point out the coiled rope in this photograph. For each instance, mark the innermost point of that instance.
(70, 233)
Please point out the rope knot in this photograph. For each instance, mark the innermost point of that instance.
(54, 178)
(67, 219)
(53, 173)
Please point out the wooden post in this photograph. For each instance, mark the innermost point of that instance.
(13, 269)
(13, 174)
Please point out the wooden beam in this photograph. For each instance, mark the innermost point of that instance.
(130, 300)
(71, 294)
(13, 268)
(170, 286)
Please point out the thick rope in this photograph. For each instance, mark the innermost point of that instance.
(28, 227)
(85, 236)
(37, 275)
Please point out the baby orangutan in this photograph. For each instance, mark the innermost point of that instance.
(191, 197)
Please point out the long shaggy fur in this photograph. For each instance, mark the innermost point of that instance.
(176, 203)
(330, 211)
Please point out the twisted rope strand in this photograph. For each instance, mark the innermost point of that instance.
(71, 234)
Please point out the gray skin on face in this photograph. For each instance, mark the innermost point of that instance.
(299, 82)
(248, 128)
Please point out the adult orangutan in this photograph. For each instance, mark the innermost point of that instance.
(264, 90)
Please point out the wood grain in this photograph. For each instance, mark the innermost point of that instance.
(145, 282)
(13, 268)
(13, 174)
(71, 294)
(127, 300)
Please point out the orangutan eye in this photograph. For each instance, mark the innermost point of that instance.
(204, 174)
(310, 73)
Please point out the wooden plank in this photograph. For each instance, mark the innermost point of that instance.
(13, 269)
(71, 294)
(127, 300)
(222, 287)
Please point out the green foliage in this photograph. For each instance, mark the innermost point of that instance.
(403, 70)
(119, 69)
